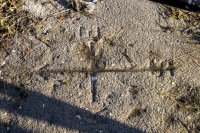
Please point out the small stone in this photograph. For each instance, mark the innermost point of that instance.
(5, 113)
(8, 128)
(14, 51)
(3, 63)
(7, 58)
(110, 114)
(95, 1)
(90, 7)
(78, 117)
(100, 131)
(189, 117)
(159, 109)
(20, 107)
(43, 105)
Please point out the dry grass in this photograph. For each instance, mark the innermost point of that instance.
(14, 20)
(8, 17)
(191, 21)
(134, 112)
(184, 99)
(81, 6)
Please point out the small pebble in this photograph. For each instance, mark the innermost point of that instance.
(3, 63)
(7, 58)
(189, 117)
(90, 7)
(78, 117)
(14, 51)
(5, 113)
(100, 131)
(8, 128)
(173, 83)
(95, 1)
(110, 114)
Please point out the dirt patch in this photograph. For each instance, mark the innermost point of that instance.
(105, 72)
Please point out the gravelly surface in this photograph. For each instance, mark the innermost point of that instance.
(61, 102)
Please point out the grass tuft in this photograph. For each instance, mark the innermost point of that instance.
(134, 112)
(184, 102)
(81, 6)
(185, 98)
(15, 20)
(8, 13)
(191, 21)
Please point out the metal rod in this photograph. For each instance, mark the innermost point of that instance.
(94, 67)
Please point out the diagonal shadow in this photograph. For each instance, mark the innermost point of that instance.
(55, 112)
(16, 129)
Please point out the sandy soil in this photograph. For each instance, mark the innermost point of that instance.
(61, 101)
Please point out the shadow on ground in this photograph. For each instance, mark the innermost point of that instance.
(19, 101)
(62, 2)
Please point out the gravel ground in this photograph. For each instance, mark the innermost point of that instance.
(44, 85)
